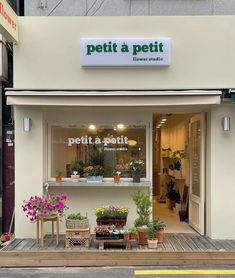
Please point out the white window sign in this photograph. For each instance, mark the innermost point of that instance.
(125, 51)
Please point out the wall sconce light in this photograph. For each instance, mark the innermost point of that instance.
(226, 123)
(26, 124)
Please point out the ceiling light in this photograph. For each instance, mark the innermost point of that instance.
(163, 120)
(92, 127)
(120, 126)
(132, 142)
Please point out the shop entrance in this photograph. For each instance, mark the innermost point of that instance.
(178, 171)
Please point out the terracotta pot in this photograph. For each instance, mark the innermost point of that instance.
(142, 234)
(116, 179)
(152, 244)
(160, 235)
(132, 236)
(58, 179)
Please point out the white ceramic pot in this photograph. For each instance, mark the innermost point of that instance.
(75, 178)
(152, 244)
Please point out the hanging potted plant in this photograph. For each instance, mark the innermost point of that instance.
(159, 227)
(136, 166)
(152, 239)
(143, 204)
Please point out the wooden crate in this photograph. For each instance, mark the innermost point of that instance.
(77, 238)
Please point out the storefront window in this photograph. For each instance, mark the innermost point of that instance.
(73, 147)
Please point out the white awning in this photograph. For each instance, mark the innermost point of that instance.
(111, 98)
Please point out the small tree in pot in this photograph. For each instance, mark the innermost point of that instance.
(144, 205)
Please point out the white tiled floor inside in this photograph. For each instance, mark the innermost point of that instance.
(171, 219)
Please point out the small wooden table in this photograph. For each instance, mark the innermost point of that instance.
(43, 219)
(127, 243)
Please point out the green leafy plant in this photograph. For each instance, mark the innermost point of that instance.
(158, 224)
(76, 216)
(77, 166)
(151, 232)
(131, 230)
(136, 165)
(143, 204)
(58, 173)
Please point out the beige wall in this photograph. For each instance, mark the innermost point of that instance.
(31, 161)
(48, 56)
(220, 177)
(28, 165)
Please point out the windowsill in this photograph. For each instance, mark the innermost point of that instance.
(101, 184)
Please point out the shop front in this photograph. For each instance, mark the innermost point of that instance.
(81, 102)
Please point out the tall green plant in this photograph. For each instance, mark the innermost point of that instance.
(143, 207)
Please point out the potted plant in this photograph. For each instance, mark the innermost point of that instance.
(136, 166)
(152, 239)
(77, 171)
(58, 177)
(176, 161)
(77, 221)
(159, 227)
(37, 206)
(94, 174)
(111, 215)
(116, 176)
(132, 233)
(143, 204)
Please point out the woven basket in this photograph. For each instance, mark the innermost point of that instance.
(77, 224)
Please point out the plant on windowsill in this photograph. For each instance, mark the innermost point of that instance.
(143, 204)
(77, 170)
(94, 174)
(58, 177)
(116, 177)
(136, 166)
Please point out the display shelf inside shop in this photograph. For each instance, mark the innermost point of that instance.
(103, 184)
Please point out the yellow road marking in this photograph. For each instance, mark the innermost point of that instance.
(185, 272)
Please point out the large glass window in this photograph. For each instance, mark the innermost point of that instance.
(109, 146)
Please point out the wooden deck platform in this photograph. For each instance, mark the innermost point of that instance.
(177, 249)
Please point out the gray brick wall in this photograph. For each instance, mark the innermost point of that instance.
(128, 7)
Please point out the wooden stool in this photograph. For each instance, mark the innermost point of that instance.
(43, 219)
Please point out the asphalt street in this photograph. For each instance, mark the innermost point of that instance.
(116, 272)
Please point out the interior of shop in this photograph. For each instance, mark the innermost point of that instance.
(171, 171)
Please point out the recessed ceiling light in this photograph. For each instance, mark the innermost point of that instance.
(164, 120)
(92, 127)
(120, 126)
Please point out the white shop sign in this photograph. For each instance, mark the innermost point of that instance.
(126, 51)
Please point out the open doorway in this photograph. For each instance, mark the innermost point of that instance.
(177, 172)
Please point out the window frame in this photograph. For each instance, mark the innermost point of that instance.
(105, 179)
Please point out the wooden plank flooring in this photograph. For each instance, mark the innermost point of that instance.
(177, 249)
